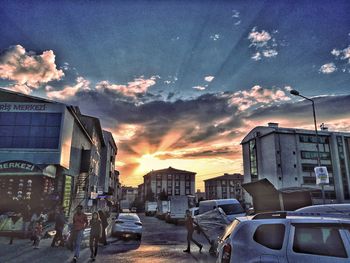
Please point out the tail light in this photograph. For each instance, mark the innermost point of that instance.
(226, 254)
(138, 223)
(119, 222)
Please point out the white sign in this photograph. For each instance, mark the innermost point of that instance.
(321, 175)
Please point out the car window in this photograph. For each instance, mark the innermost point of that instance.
(318, 240)
(230, 229)
(270, 235)
(128, 217)
(231, 209)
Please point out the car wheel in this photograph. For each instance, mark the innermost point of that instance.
(138, 237)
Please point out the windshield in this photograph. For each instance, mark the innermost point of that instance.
(231, 209)
(128, 217)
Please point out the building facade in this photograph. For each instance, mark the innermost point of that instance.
(171, 181)
(50, 155)
(287, 157)
(129, 194)
(225, 186)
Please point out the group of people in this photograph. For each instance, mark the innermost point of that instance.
(98, 225)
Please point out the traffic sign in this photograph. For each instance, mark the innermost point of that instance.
(322, 176)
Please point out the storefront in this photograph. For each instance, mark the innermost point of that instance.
(23, 183)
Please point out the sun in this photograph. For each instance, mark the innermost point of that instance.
(148, 162)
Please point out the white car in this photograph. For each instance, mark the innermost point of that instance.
(127, 224)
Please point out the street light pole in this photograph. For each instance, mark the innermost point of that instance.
(296, 93)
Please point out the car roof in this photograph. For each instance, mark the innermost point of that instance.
(328, 208)
(129, 215)
(220, 201)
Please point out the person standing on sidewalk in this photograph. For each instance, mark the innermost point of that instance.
(190, 230)
(60, 220)
(95, 234)
(104, 221)
(80, 222)
(37, 232)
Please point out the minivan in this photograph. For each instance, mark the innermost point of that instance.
(231, 207)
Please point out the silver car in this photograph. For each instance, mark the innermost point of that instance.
(286, 237)
(127, 224)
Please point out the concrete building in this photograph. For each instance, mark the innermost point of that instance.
(171, 181)
(107, 184)
(225, 186)
(200, 195)
(287, 157)
(42, 143)
(129, 193)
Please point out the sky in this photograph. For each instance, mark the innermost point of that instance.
(180, 83)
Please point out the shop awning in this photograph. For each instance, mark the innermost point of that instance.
(24, 168)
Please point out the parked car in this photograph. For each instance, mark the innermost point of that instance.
(286, 237)
(231, 207)
(133, 209)
(150, 208)
(328, 208)
(127, 224)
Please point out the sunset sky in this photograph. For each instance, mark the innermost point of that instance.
(179, 83)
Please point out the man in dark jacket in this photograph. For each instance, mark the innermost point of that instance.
(190, 230)
(60, 220)
(80, 222)
(104, 221)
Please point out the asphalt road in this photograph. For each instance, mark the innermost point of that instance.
(161, 242)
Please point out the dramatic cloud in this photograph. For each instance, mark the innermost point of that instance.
(68, 91)
(209, 78)
(257, 95)
(264, 44)
(328, 68)
(27, 70)
(132, 89)
(343, 54)
(198, 87)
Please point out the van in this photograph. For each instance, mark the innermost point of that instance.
(231, 207)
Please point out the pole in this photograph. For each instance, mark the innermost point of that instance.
(318, 149)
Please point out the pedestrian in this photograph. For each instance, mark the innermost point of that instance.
(27, 213)
(80, 222)
(104, 221)
(95, 234)
(37, 232)
(60, 220)
(190, 229)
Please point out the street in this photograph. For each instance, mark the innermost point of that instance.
(161, 242)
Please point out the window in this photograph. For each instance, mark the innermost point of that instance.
(231, 209)
(270, 236)
(253, 160)
(314, 155)
(318, 240)
(29, 130)
(312, 139)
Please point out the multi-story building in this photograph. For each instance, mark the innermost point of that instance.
(107, 178)
(225, 186)
(287, 157)
(171, 181)
(200, 195)
(41, 147)
(129, 193)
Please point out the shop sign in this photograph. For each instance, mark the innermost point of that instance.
(18, 167)
(322, 176)
(26, 107)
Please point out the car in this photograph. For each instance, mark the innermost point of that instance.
(127, 224)
(328, 208)
(133, 210)
(231, 207)
(286, 237)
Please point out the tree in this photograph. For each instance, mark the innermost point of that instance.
(149, 196)
(163, 196)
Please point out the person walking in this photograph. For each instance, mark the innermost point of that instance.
(80, 222)
(95, 234)
(190, 229)
(27, 213)
(104, 221)
(37, 232)
(60, 220)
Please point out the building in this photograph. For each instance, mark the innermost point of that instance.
(108, 179)
(50, 155)
(41, 147)
(171, 181)
(287, 157)
(225, 186)
(129, 193)
(200, 195)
